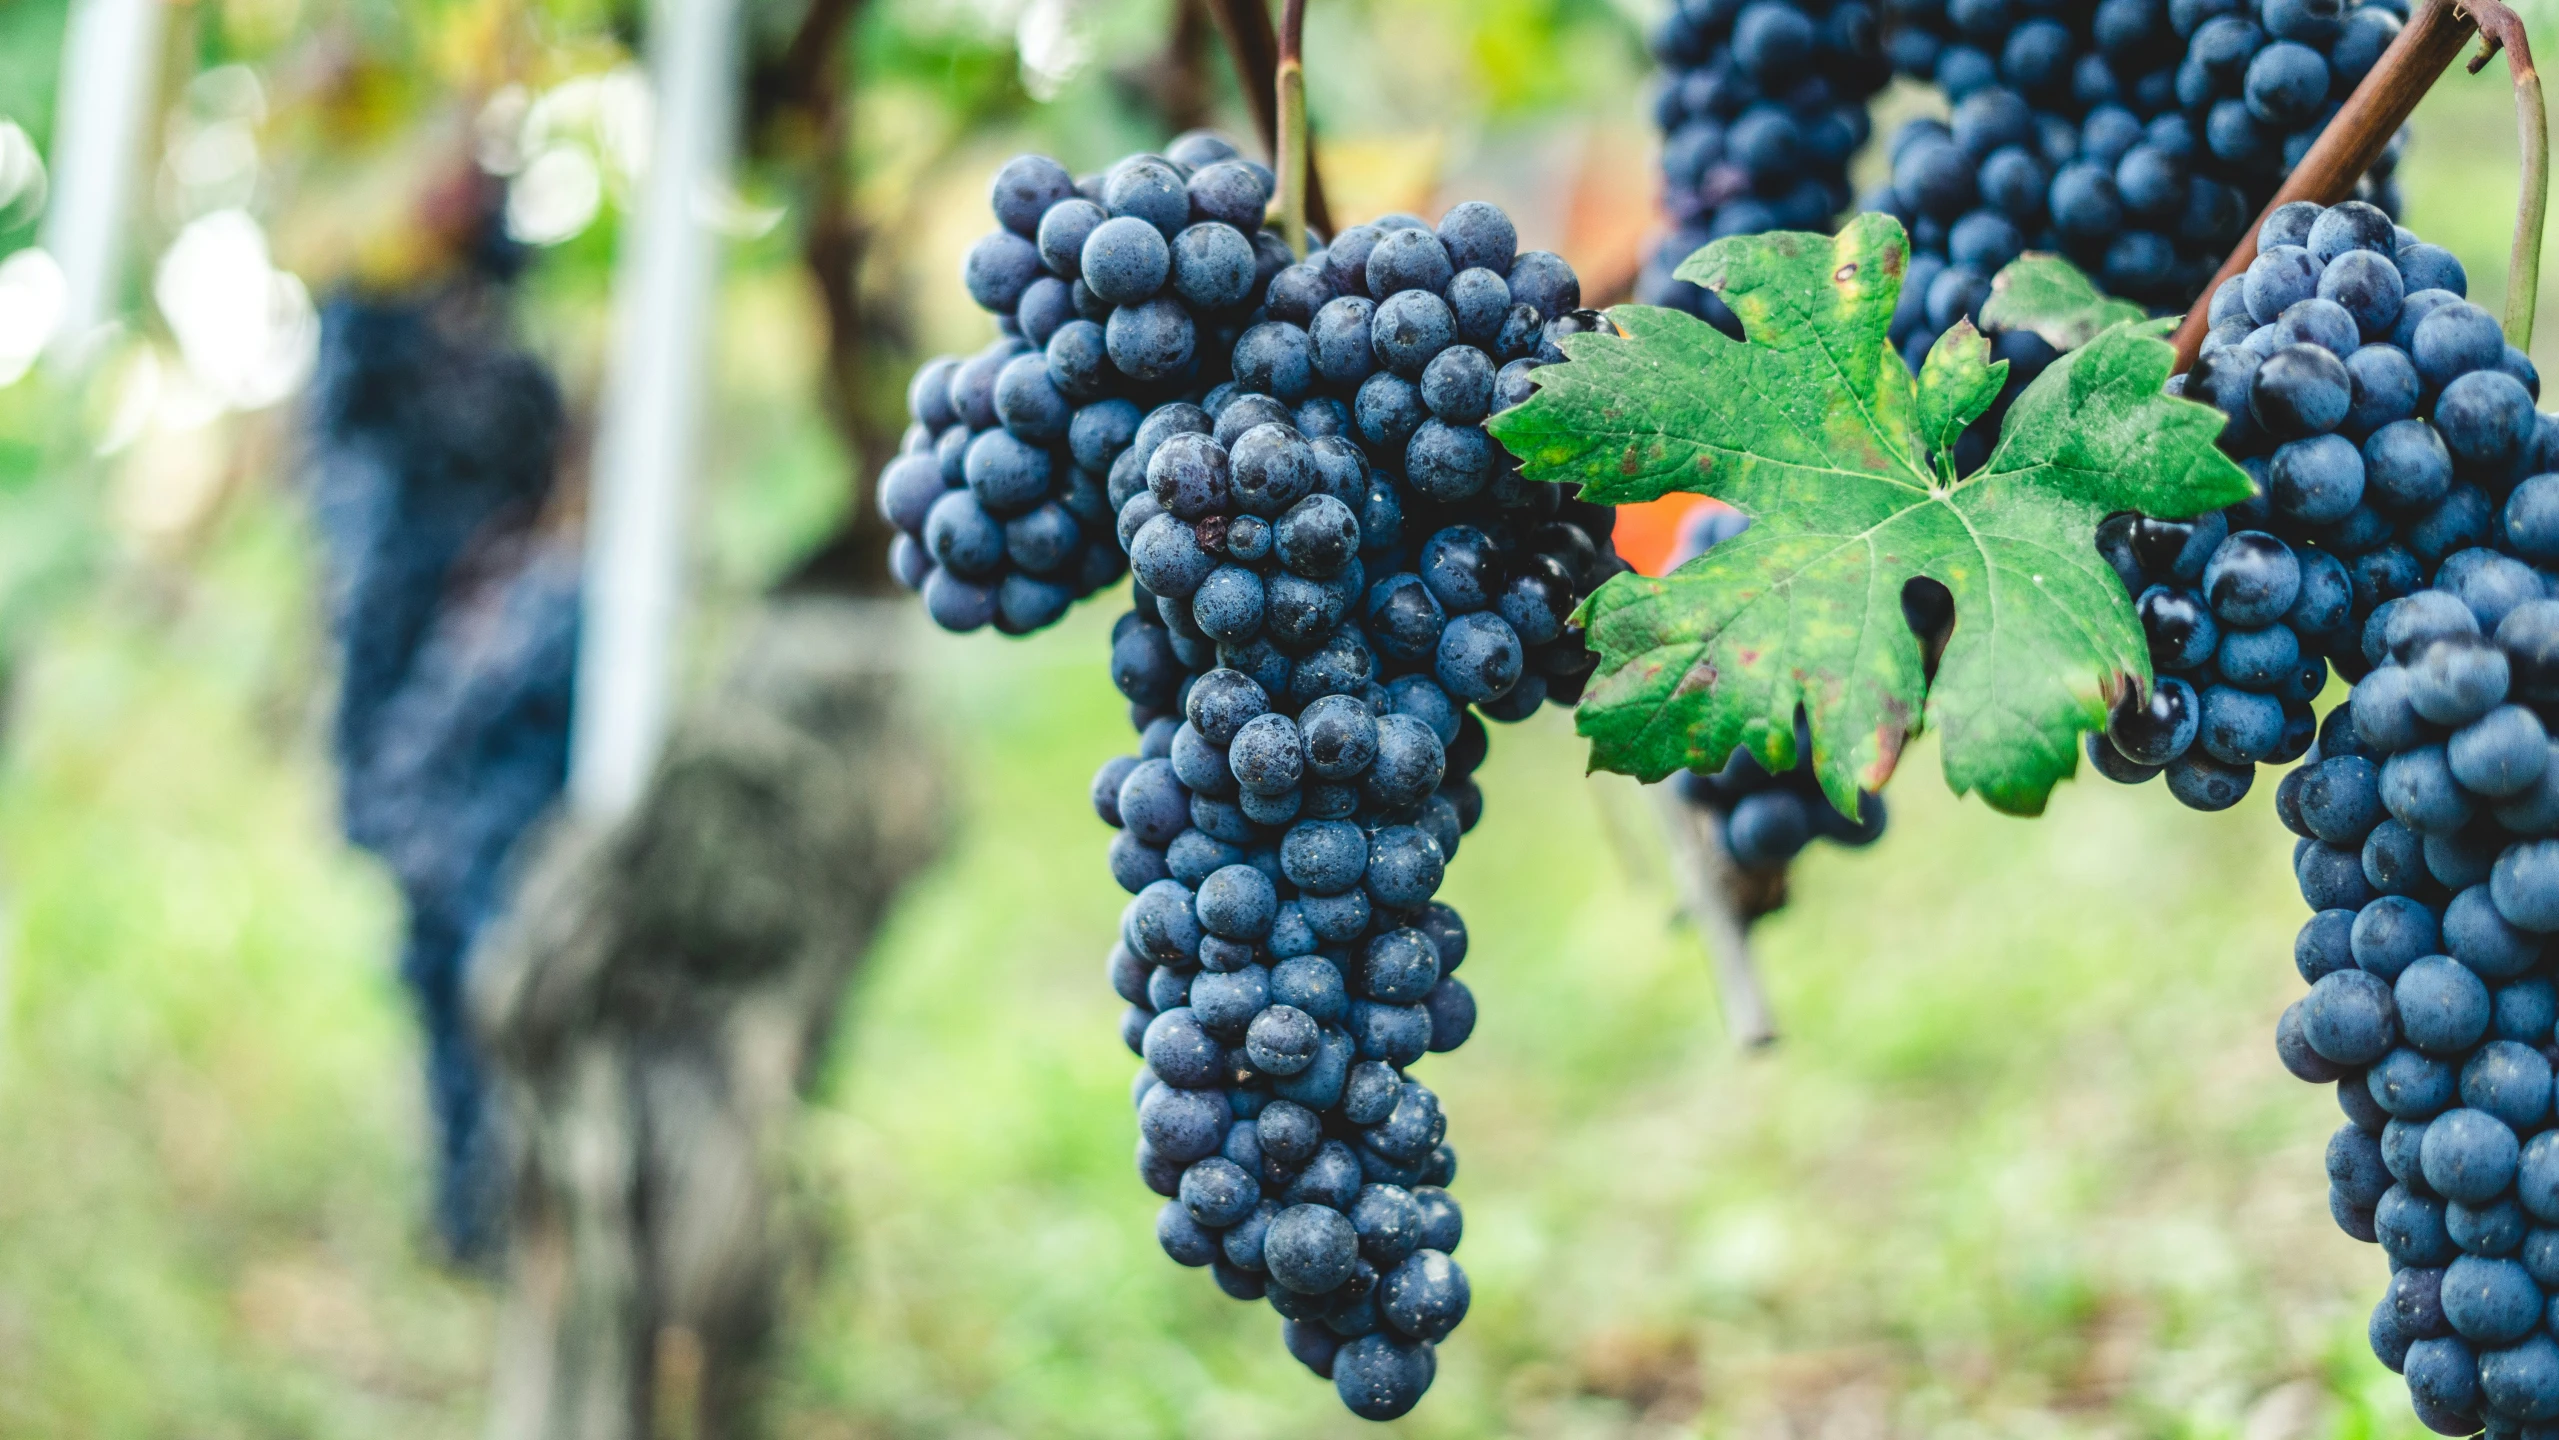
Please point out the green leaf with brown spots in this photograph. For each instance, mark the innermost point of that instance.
(2054, 299)
(1817, 430)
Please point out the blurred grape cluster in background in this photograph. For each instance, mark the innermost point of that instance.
(2024, 1163)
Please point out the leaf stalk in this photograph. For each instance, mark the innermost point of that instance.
(1290, 149)
(2501, 29)
(1253, 44)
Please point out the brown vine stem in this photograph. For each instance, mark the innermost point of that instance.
(1290, 153)
(2356, 137)
(1255, 47)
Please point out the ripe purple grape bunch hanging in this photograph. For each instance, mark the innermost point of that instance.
(2403, 530)
(1336, 573)
(2383, 417)
(1762, 105)
(2136, 137)
(1338, 577)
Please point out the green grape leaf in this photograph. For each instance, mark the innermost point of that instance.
(1957, 383)
(2053, 298)
(1816, 429)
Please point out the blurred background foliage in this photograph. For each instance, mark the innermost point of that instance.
(2024, 1163)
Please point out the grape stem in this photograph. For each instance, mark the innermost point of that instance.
(2500, 28)
(1254, 46)
(1290, 149)
(2372, 115)
(1711, 889)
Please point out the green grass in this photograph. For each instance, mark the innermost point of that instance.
(2024, 1161)
(2023, 1165)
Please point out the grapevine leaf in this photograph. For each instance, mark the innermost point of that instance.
(1821, 397)
(1957, 383)
(1816, 430)
(2055, 299)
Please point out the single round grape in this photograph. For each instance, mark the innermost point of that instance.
(2469, 1155)
(1167, 557)
(1543, 280)
(1180, 1124)
(1282, 1040)
(1409, 260)
(2251, 580)
(2454, 340)
(2457, 679)
(1409, 328)
(2412, 1086)
(2301, 390)
(998, 268)
(1230, 192)
(1479, 657)
(1265, 755)
(1330, 1180)
(2485, 417)
(1310, 1248)
(2443, 1007)
(2432, 267)
(2320, 322)
(1273, 468)
(2369, 287)
(1452, 1013)
(2286, 83)
(2179, 627)
(1151, 340)
(2488, 1301)
(2502, 753)
(2510, 1081)
(2522, 1380)
(1277, 359)
(1381, 1377)
(1405, 867)
(1404, 619)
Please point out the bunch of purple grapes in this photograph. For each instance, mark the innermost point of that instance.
(2136, 137)
(2384, 419)
(2427, 815)
(1762, 104)
(2405, 534)
(1111, 293)
(1339, 576)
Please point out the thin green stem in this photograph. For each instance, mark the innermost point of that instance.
(2523, 267)
(2501, 29)
(1290, 82)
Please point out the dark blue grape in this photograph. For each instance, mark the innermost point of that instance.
(2300, 390)
(2485, 417)
(2453, 340)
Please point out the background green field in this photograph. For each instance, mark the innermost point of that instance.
(2023, 1165)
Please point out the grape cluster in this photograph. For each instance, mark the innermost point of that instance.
(2136, 137)
(1111, 293)
(431, 440)
(1337, 574)
(2427, 819)
(1761, 106)
(2405, 533)
(2384, 419)
(1766, 820)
